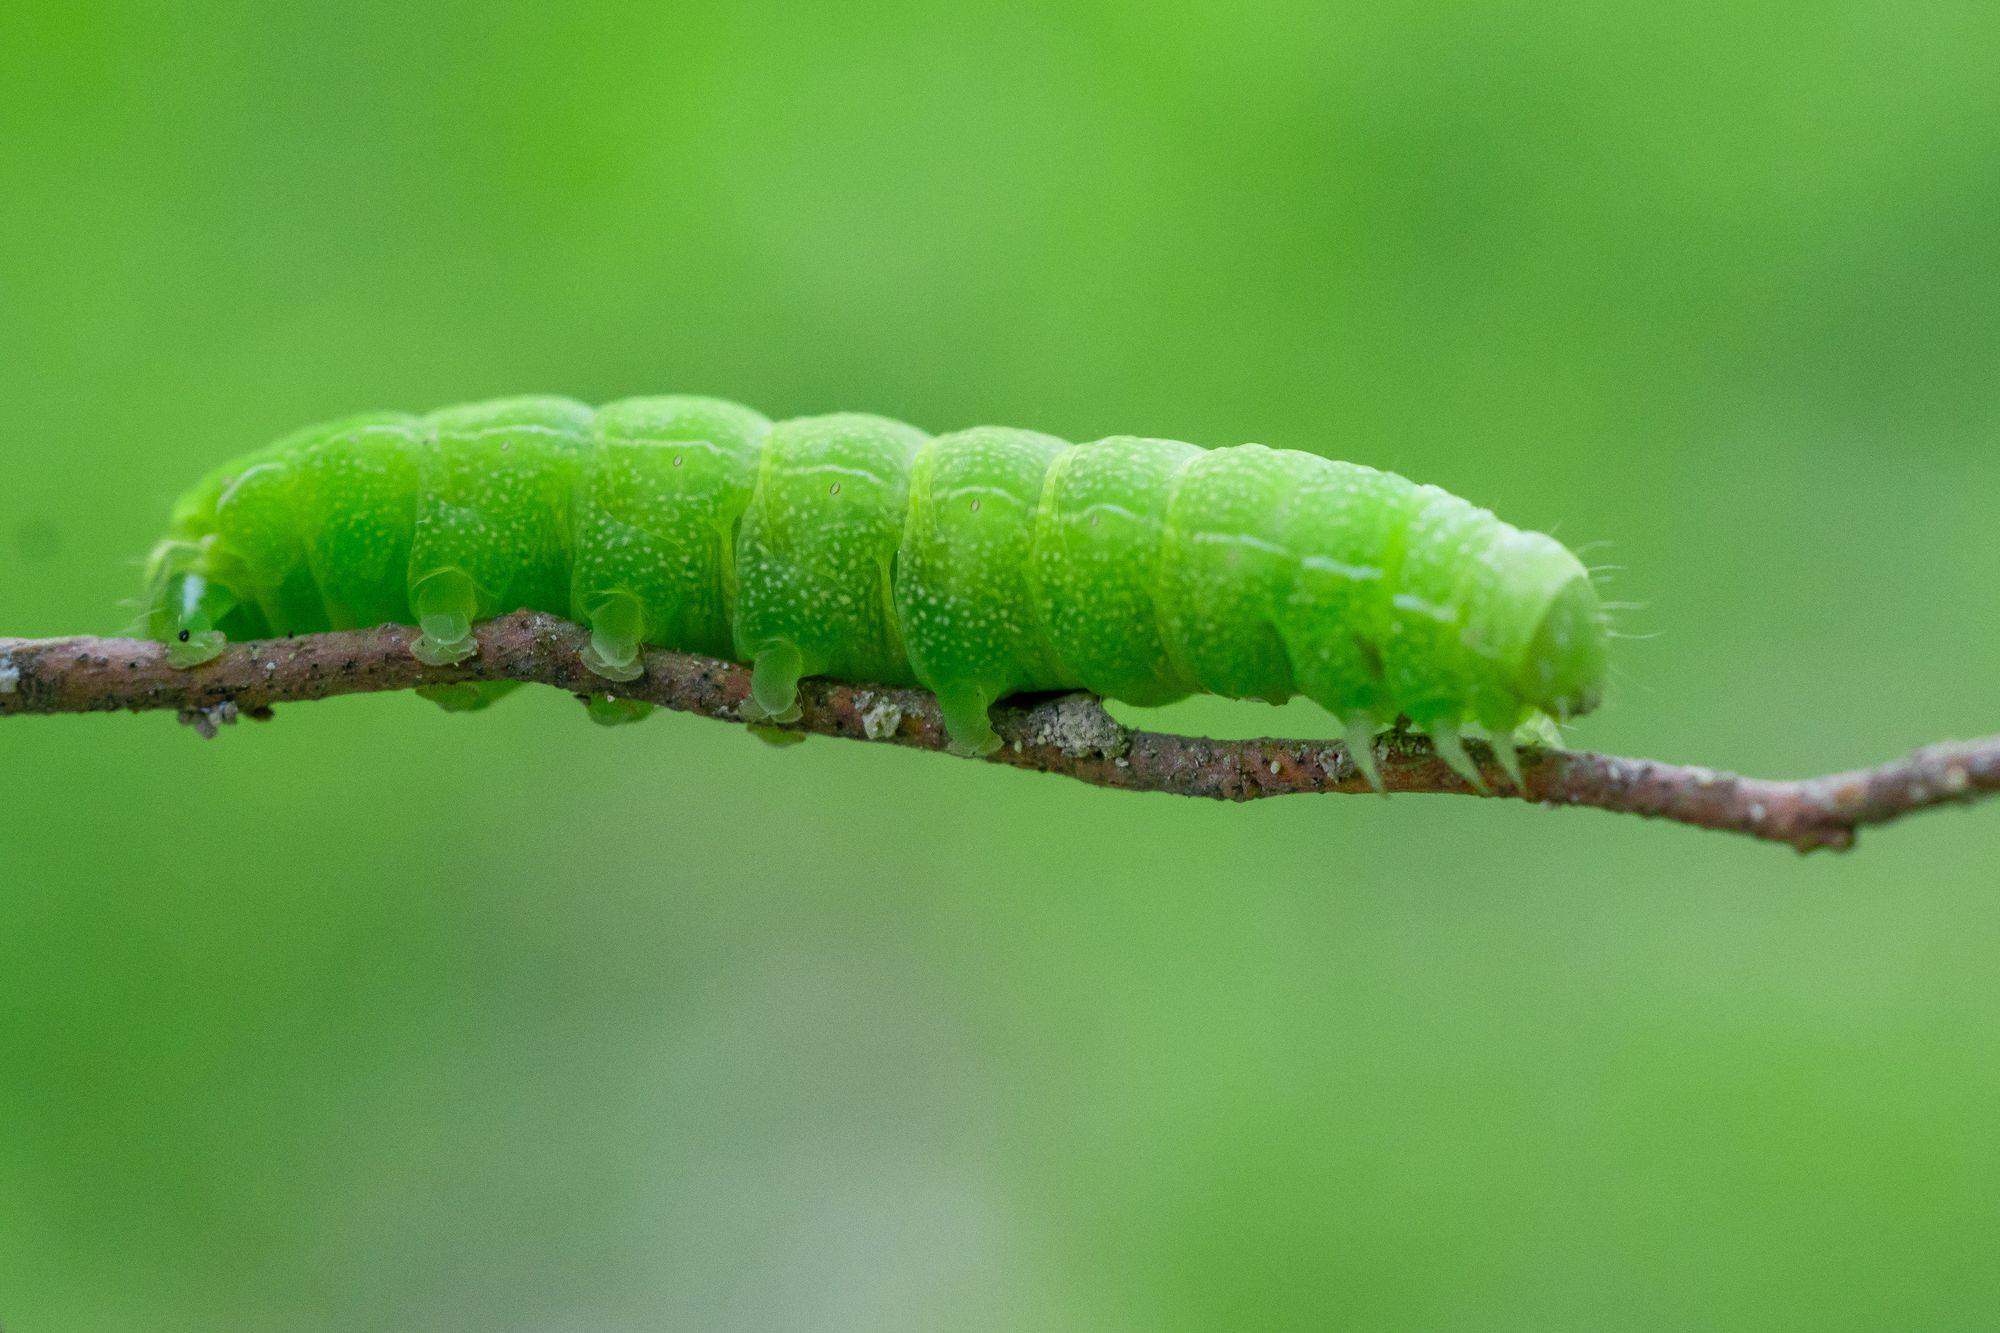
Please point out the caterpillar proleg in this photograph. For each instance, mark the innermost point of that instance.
(977, 564)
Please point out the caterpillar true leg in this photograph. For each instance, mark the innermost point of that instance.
(1509, 758)
(1360, 732)
(1450, 748)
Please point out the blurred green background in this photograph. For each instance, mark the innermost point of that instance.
(379, 1018)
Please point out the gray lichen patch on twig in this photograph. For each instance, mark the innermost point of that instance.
(1072, 734)
(880, 715)
(208, 719)
(1076, 725)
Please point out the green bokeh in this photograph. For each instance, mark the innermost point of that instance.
(378, 1018)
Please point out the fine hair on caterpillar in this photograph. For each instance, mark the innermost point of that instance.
(977, 564)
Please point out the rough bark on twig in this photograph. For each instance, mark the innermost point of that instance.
(1070, 734)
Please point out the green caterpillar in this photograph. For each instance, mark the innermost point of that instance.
(976, 564)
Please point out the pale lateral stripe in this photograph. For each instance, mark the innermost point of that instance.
(1415, 605)
(1328, 565)
(652, 443)
(821, 469)
(244, 476)
(1245, 539)
(524, 428)
(960, 492)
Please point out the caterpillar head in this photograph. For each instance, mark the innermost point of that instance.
(1562, 671)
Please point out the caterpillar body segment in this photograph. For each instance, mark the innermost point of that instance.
(816, 557)
(1098, 553)
(1344, 525)
(653, 559)
(355, 497)
(967, 594)
(495, 488)
(978, 564)
(1226, 574)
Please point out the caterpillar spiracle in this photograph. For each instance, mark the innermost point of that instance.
(977, 564)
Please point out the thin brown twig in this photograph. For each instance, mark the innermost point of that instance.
(1069, 734)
